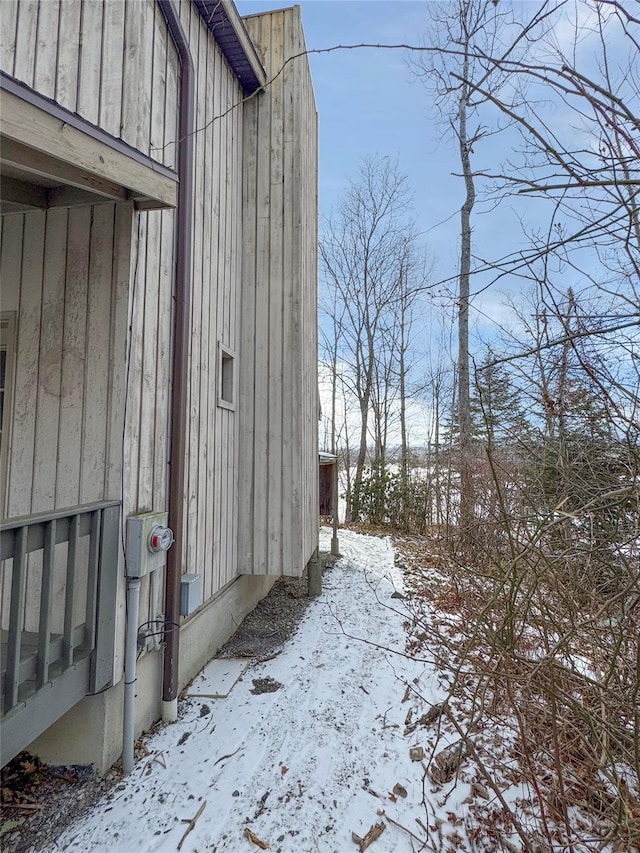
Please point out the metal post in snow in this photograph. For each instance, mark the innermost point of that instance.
(335, 545)
(314, 575)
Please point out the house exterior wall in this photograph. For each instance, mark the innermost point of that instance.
(65, 274)
(210, 506)
(278, 373)
(92, 288)
(123, 75)
(211, 499)
(65, 277)
(113, 63)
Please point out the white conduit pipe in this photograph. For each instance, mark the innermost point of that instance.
(130, 656)
(153, 610)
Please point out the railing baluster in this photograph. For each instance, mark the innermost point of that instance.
(18, 587)
(44, 629)
(40, 534)
(102, 669)
(92, 581)
(72, 560)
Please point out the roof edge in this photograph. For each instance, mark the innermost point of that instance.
(225, 24)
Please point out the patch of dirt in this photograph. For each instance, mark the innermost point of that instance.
(263, 632)
(265, 685)
(40, 801)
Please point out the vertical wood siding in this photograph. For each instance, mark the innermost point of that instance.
(251, 480)
(278, 478)
(114, 64)
(60, 278)
(211, 538)
(209, 546)
(110, 61)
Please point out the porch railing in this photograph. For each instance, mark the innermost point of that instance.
(59, 579)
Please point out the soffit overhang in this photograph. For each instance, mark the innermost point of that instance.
(226, 26)
(51, 157)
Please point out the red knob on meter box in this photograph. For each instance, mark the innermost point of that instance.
(160, 539)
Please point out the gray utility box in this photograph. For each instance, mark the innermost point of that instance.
(148, 540)
(190, 593)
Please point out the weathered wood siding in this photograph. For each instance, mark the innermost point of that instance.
(278, 477)
(110, 61)
(65, 275)
(114, 63)
(210, 545)
(251, 486)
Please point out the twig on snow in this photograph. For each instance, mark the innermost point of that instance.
(417, 838)
(192, 822)
(473, 753)
(222, 757)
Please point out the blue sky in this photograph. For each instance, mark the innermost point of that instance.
(366, 102)
(370, 103)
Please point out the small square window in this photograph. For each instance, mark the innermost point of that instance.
(226, 377)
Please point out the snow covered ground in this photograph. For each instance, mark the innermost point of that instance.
(337, 744)
(302, 767)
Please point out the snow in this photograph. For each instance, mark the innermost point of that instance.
(301, 767)
(317, 754)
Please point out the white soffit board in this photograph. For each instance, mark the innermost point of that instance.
(218, 678)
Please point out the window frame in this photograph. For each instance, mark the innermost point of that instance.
(226, 391)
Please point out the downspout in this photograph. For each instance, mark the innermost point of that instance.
(179, 378)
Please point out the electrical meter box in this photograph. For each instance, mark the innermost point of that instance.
(148, 540)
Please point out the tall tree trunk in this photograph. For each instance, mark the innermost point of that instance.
(360, 461)
(334, 391)
(437, 460)
(464, 403)
(404, 446)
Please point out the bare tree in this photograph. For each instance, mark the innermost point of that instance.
(362, 252)
(585, 167)
(549, 604)
(462, 72)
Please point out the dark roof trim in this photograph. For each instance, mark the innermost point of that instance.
(225, 24)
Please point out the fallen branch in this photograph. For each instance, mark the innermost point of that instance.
(375, 832)
(383, 814)
(222, 757)
(192, 822)
(473, 754)
(158, 758)
(422, 826)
